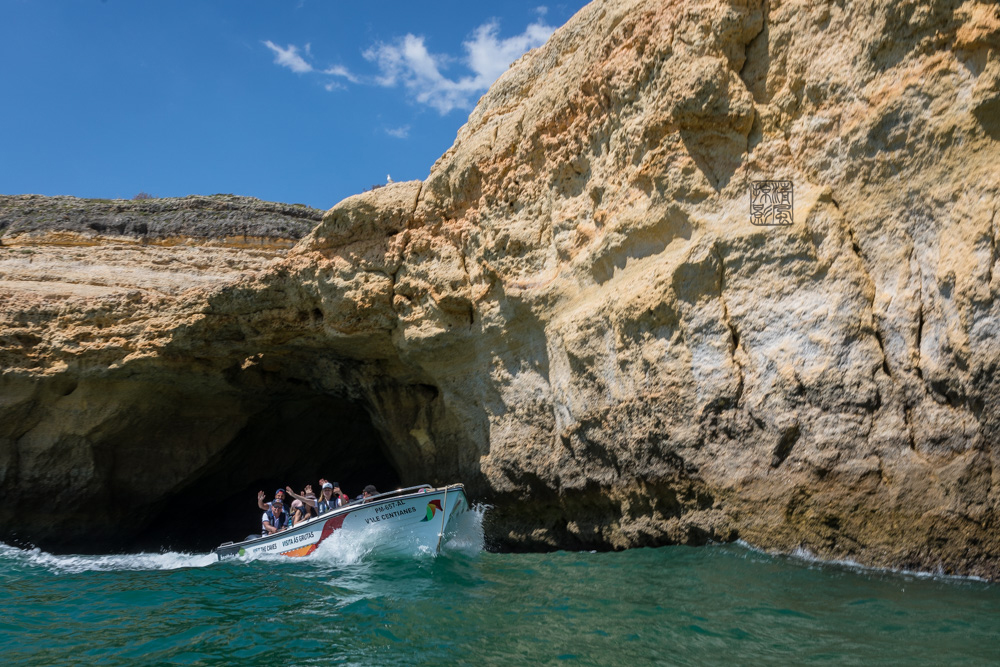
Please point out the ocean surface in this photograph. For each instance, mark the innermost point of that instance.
(347, 604)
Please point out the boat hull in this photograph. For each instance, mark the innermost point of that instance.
(420, 519)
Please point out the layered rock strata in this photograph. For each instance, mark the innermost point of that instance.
(98, 428)
(575, 314)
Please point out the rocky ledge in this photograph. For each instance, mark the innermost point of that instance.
(578, 315)
(219, 219)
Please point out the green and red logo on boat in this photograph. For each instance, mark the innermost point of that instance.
(432, 507)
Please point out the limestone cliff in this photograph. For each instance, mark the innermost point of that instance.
(575, 315)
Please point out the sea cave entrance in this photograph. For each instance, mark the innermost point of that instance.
(292, 440)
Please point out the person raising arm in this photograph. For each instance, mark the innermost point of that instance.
(339, 493)
(307, 498)
(279, 495)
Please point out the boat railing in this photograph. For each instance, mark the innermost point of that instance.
(391, 494)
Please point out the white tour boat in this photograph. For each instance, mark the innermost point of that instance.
(418, 516)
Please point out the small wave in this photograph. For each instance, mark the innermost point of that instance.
(72, 563)
(806, 556)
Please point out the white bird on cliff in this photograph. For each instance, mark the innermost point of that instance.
(388, 179)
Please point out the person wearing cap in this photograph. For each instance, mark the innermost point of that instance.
(274, 519)
(327, 500)
(279, 495)
(369, 491)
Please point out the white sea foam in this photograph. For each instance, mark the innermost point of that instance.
(348, 547)
(338, 549)
(803, 554)
(468, 538)
(73, 563)
(375, 541)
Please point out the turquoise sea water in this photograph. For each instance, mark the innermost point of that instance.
(347, 605)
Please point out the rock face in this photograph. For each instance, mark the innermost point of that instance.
(99, 427)
(215, 220)
(575, 315)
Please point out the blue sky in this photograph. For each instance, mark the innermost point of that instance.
(298, 101)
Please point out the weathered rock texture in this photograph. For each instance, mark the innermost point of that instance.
(574, 315)
(215, 220)
(99, 427)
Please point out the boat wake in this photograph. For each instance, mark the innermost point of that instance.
(74, 564)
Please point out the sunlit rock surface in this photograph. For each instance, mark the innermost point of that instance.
(574, 314)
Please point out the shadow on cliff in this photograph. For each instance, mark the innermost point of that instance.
(293, 440)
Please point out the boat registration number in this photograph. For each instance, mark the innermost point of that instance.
(387, 511)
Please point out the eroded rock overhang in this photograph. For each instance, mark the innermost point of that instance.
(134, 413)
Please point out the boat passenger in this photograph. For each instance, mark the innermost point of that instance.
(274, 519)
(334, 485)
(307, 498)
(369, 491)
(299, 513)
(342, 497)
(279, 495)
(327, 500)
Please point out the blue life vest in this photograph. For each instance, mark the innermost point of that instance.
(278, 522)
(323, 505)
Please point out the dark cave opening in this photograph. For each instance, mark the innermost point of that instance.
(294, 440)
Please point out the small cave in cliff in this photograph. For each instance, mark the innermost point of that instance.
(293, 440)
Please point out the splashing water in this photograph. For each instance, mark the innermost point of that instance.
(465, 538)
(74, 564)
(468, 537)
(344, 548)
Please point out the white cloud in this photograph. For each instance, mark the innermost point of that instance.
(408, 62)
(489, 57)
(398, 132)
(289, 57)
(341, 71)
